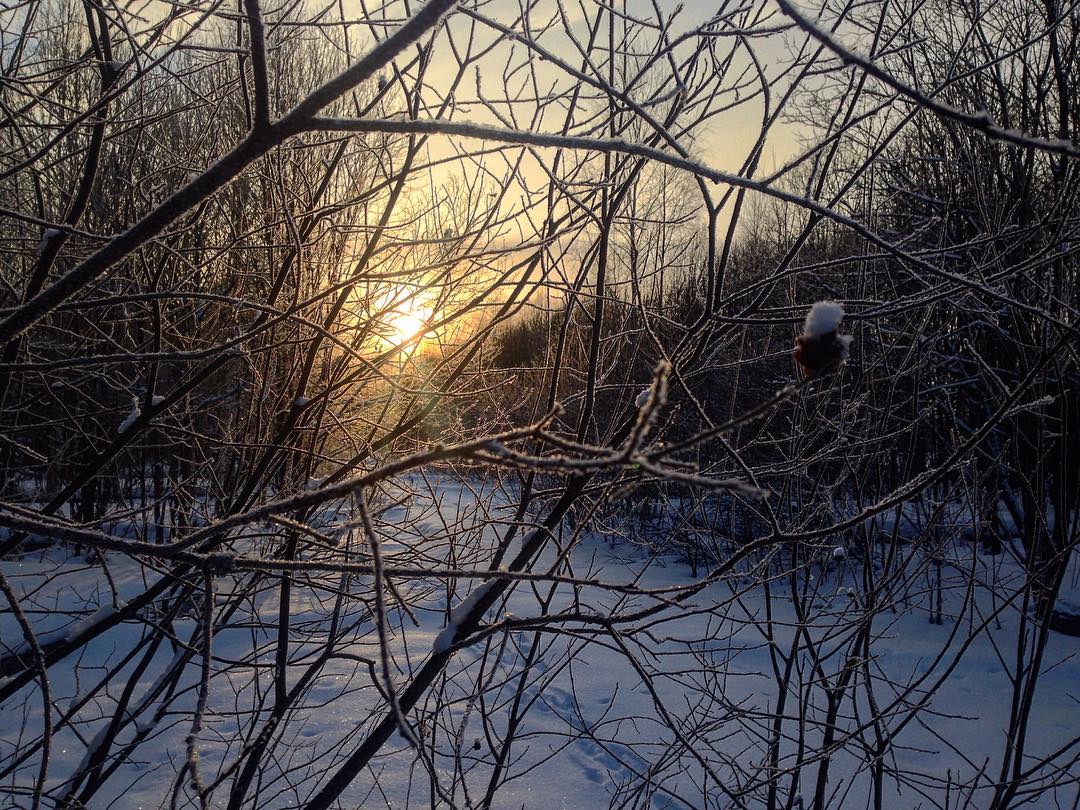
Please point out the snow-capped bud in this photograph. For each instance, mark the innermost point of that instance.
(821, 348)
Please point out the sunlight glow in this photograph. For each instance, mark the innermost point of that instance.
(404, 326)
(404, 319)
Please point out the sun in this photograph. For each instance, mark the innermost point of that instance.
(404, 326)
(403, 319)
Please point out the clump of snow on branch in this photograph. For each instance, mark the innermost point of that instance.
(824, 317)
(132, 417)
(45, 237)
(74, 629)
(136, 412)
(459, 613)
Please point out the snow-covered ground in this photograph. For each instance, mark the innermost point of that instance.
(672, 710)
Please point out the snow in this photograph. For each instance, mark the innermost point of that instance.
(45, 237)
(92, 747)
(459, 613)
(132, 417)
(99, 615)
(824, 317)
(136, 412)
(70, 631)
(144, 723)
(592, 728)
(642, 398)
